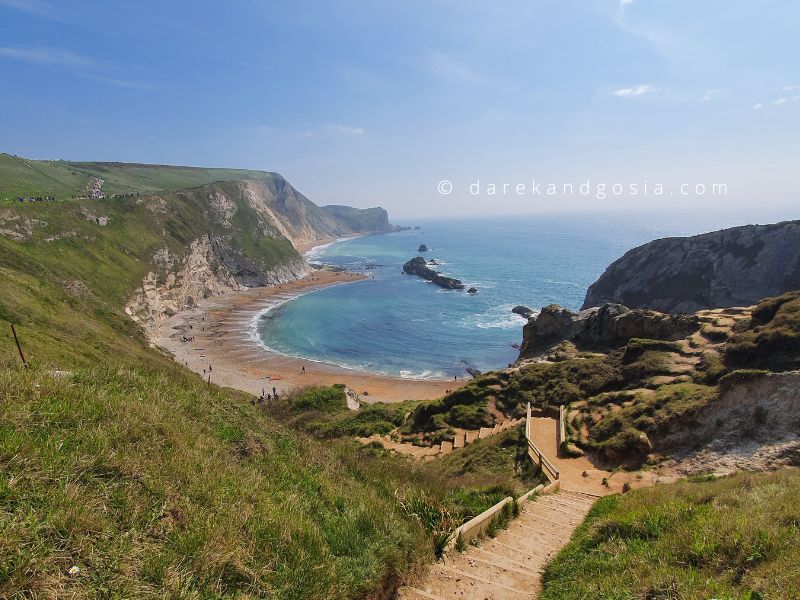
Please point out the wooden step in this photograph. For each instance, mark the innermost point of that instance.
(412, 593)
(489, 585)
(486, 569)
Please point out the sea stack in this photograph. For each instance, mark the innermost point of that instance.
(422, 248)
(418, 266)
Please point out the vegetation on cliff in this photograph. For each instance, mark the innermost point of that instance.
(622, 400)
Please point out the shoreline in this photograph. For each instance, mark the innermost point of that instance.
(220, 332)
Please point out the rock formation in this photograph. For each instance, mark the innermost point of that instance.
(608, 326)
(417, 266)
(731, 267)
(422, 248)
(522, 311)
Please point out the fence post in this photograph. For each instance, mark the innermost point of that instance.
(19, 348)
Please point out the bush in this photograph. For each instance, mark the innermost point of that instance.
(325, 399)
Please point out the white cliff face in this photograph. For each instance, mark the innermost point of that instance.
(179, 282)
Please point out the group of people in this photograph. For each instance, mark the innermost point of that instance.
(266, 397)
(37, 199)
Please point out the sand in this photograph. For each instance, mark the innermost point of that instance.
(220, 328)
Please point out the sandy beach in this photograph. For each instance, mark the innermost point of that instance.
(219, 333)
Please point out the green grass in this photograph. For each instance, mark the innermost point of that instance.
(722, 538)
(153, 483)
(485, 471)
(66, 295)
(651, 414)
(150, 482)
(25, 177)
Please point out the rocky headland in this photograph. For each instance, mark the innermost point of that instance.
(600, 328)
(730, 267)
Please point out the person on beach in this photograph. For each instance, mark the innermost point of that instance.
(274, 391)
(303, 370)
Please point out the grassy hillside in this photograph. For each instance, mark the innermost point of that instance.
(66, 278)
(736, 537)
(498, 465)
(150, 482)
(118, 462)
(25, 177)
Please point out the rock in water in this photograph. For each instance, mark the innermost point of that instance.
(418, 266)
(522, 311)
(472, 290)
(732, 267)
(422, 248)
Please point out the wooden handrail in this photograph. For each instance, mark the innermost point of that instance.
(544, 463)
(548, 468)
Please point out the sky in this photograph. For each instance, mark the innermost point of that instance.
(421, 106)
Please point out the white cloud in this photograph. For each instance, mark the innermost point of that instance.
(758, 106)
(46, 56)
(780, 101)
(346, 129)
(78, 65)
(450, 69)
(711, 94)
(625, 2)
(642, 89)
(34, 7)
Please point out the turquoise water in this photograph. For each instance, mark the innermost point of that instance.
(401, 325)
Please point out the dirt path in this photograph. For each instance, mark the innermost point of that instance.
(584, 474)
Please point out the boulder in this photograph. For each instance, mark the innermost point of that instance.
(422, 248)
(522, 311)
(472, 290)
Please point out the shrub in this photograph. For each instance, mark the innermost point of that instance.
(772, 340)
(325, 399)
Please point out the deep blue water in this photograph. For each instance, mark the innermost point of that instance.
(401, 325)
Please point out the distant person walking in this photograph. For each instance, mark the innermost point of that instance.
(303, 370)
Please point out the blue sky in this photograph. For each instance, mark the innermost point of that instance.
(375, 102)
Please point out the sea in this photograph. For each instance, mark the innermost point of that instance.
(403, 326)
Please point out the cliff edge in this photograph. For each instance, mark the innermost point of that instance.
(730, 267)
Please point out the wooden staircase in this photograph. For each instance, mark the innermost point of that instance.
(509, 565)
(462, 439)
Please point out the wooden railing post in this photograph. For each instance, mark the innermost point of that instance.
(19, 348)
